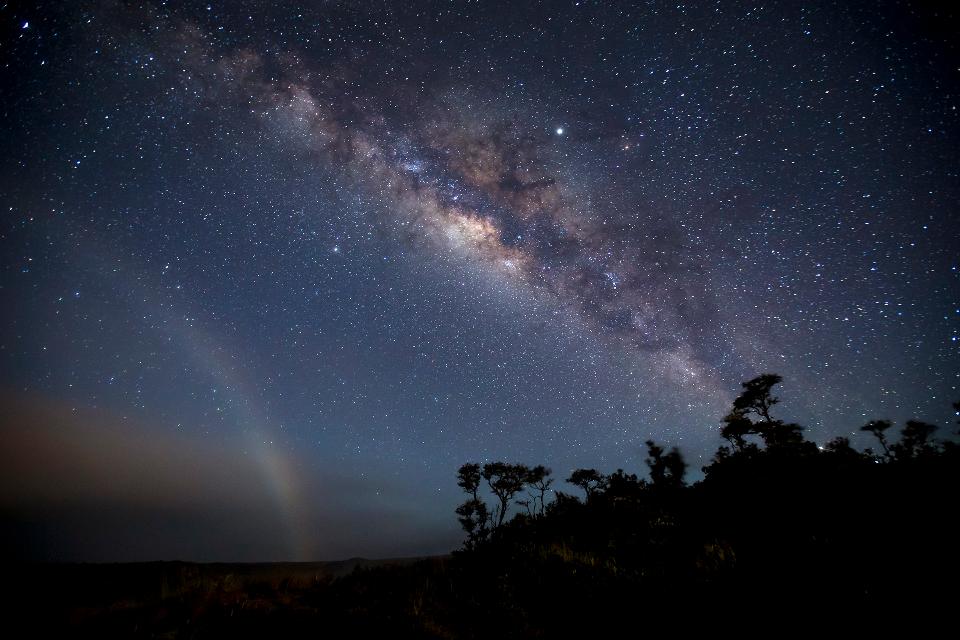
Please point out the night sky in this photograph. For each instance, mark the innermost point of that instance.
(271, 271)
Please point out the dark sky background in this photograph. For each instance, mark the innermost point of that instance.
(271, 271)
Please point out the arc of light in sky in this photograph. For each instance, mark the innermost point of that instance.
(213, 359)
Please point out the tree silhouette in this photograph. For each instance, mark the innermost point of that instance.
(473, 517)
(539, 480)
(472, 514)
(468, 479)
(778, 434)
(505, 481)
(757, 399)
(590, 480)
(878, 429)
(914, 440)
(620, 485)
(736, 426)
(666, 470)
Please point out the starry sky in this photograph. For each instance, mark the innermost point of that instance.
(271, 271)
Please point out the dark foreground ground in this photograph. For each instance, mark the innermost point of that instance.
(555, 593)
(216, 600)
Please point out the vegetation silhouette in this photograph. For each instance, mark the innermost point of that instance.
(778, 528)
(779, 534)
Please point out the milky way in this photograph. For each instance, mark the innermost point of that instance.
(488, 187)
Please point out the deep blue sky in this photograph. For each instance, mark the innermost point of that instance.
(272, 271)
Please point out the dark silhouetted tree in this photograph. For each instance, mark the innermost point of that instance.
(590, 480)
(468, 479)
(620, 485)
(757, 397)
(878, 428)
(736, 426)
(539, 481)
(666, 469)
(505, 481)
(779, 434)
(472, 514)
(757, 400)
(473, 517)
(914, 440)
